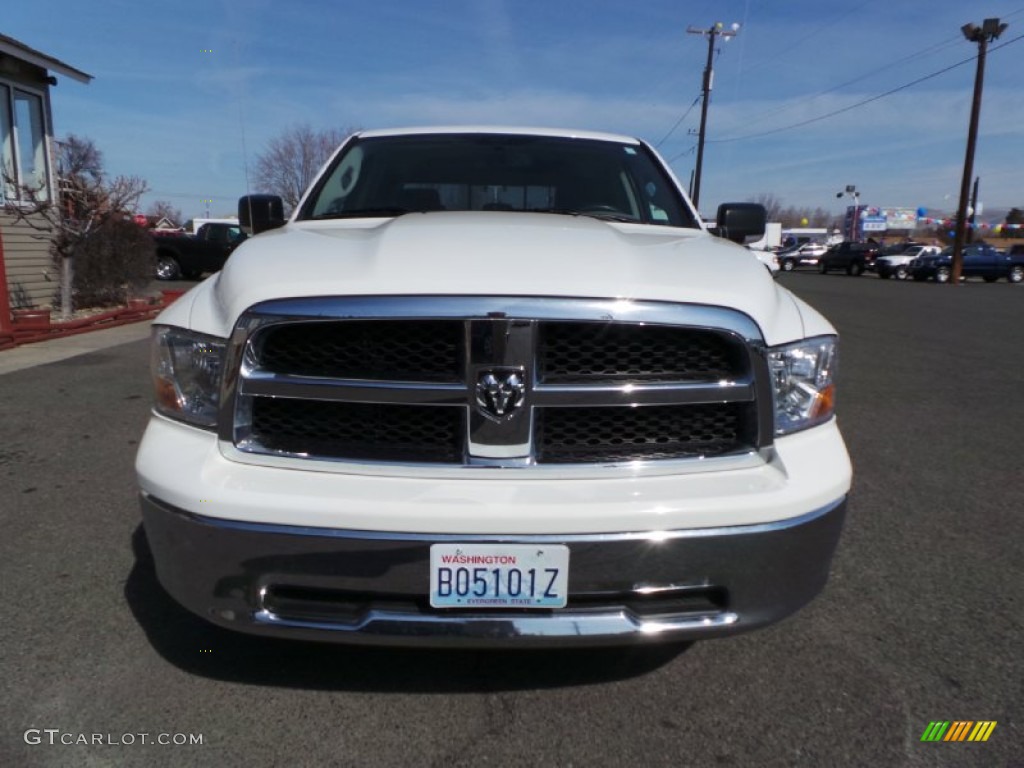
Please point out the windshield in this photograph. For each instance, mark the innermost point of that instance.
(392, 175)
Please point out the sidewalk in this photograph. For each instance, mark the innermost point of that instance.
(42, 352)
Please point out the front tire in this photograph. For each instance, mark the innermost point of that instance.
(902, 273)
(942, 275)
(822, 268)
(1016, 274)
(167, 268)
(788, 265)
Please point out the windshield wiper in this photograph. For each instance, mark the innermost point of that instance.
(594, 214)
(358, 213)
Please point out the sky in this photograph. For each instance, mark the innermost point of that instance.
(187, 94)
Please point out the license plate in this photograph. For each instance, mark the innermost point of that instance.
(499, 575)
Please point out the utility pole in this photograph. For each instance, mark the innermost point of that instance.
(716, 30)
(989, 30)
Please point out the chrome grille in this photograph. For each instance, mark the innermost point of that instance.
(593, 351)
(366, 349)
(579, 435)
(398, 380)
(359, 431)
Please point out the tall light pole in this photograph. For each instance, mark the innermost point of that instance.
(716, 30)
(851, 190)
(989, 30)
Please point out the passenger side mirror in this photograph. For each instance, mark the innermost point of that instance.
(740, 222)
(258, 213)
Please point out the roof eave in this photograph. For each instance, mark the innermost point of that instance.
(12, 47)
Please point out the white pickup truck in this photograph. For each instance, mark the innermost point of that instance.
(493, 387)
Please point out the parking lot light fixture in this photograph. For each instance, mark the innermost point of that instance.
(989, 30)
(851, 190)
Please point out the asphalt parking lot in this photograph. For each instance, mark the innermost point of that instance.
(921, 620)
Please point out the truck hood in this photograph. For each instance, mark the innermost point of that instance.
(494, 253)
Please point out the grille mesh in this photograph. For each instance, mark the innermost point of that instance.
(371, 432)
(574, 352)
(396, 350)
(616, 433)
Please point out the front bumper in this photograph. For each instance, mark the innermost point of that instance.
(366, 587)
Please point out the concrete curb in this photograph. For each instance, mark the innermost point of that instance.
(68, 346)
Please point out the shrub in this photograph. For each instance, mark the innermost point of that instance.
(113, 263)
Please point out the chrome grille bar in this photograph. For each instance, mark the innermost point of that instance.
(263, 384)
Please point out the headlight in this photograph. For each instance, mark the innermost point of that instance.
(186, 369)
(803, 380)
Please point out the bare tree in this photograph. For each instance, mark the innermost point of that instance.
(792, 216)
(162, 209)
(79, 158)
(292, 159)
(87, 199)
(772, 205)
(819, 217)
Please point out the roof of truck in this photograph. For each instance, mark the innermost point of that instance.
(501, 129)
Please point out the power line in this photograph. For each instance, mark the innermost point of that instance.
(949, 43)
(683, 154)
(718, 52)
(890, 92)
(679, 121)
(814, 32)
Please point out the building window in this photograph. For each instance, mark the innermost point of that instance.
(23, 146)
(7, 187)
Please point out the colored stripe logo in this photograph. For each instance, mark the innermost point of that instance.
(958, 730)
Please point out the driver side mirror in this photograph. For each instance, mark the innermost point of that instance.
(740, 222)
(258, 213)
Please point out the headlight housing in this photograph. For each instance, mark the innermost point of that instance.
(803, 382)
(186, 369)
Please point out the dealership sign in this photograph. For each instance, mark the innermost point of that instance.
(900, 218)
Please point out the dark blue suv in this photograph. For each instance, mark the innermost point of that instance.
(980, 260)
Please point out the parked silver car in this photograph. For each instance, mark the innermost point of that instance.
(806, 254)
(898, 265)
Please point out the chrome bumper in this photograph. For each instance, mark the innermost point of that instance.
(364, 587)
